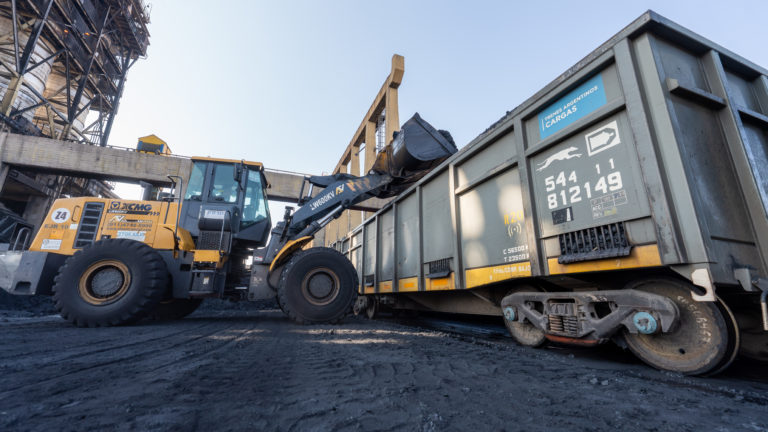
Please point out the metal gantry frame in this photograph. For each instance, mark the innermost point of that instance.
(380, 123)
(95, 44)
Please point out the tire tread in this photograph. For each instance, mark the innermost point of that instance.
(156, 278)
(282, 291)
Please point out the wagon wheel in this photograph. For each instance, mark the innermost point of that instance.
(704, 340)
(524, 333)
(372, 310)
(734, 338)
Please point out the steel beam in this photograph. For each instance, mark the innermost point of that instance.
(71, 114)
(15, 32)
(108, 128)
(21, 64)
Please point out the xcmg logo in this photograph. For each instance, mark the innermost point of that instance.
(121, 206)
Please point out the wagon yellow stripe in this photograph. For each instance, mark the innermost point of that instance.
(641, 256)
(385, 287)
(440, 284)
(486, 275)
(408, 284)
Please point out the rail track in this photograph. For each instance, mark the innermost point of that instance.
(491, 331)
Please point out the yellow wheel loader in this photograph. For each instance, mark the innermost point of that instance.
(112, 262)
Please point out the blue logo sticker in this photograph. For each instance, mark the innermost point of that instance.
(576, 104)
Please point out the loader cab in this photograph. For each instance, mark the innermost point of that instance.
(225, 203)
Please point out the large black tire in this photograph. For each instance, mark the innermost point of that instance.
(318, 285)
(174, 309)
(111, 282)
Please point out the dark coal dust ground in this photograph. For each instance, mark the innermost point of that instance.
(251, 370)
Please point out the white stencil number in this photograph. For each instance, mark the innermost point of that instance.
(573, 194)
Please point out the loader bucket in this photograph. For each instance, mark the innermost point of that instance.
(9, 263)
(414, 151)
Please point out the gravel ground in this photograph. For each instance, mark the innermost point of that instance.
(25, 306)
(255, 370)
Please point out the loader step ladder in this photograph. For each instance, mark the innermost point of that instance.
(89, 224)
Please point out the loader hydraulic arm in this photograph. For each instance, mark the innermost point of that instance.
(414, 151)
(341, 192)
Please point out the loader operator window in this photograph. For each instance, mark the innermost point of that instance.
(224, 188)
(254, 207)
(195, 186)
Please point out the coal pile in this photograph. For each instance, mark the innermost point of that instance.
(24, 306)
(212, 304)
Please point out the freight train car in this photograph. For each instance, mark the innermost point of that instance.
(625, 201)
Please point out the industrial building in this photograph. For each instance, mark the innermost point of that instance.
(63, 67)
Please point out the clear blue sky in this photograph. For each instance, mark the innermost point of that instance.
(288, 82)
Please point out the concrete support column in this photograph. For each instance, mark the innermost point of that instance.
(370, 151)
(354, 217)
(319, 239)
(4, 168)
(391, 118)
(37, 208)
(14, 85)
(331, 232)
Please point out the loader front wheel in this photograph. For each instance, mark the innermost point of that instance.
(317, 285)
(111, 282)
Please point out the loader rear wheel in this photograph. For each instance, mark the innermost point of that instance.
(317, 285)
(174, 309)
(111, 282)
(525, 333)
(701, 342)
